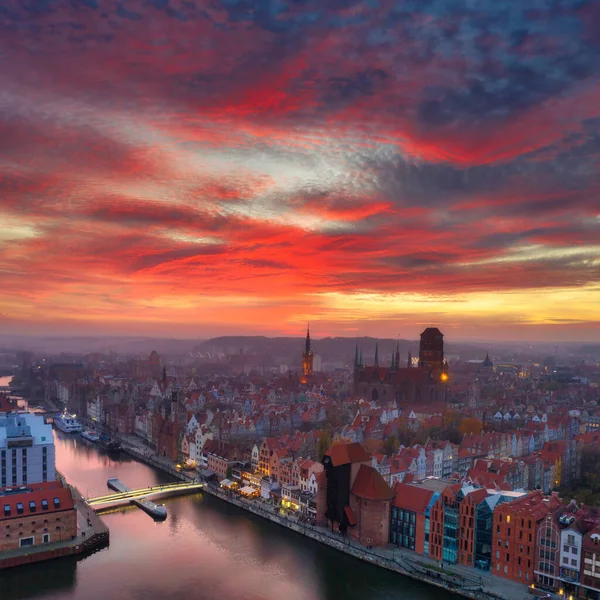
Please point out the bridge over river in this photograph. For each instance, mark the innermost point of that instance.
(141, 497)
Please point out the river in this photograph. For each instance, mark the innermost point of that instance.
(205, 549)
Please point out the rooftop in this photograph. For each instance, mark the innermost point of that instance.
(342, 454)
(15, 425)
(42, 498)
(369, 484)
(433, 483)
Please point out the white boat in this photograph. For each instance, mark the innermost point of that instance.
(91, 436)
(67, 423)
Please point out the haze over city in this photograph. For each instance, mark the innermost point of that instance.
(188, 170)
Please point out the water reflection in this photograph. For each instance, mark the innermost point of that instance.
(205, 549)
(58, 577)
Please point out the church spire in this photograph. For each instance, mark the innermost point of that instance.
(356, 357)
(307, 349)
(393, 363)
(409, 361)
(360, 360)
(376, 354)
(397, 361)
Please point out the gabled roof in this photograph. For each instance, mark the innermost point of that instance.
(412, 497)
(370, 485)
(343, 454)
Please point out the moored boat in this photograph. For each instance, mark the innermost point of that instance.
(67, 423)
(91, 436)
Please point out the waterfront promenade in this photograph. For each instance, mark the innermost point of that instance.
(459, 579)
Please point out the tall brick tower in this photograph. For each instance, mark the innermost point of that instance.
(431, 349)
(307, 356)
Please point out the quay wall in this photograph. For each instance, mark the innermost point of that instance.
(401, 566)
(471, 587)
(81, 545)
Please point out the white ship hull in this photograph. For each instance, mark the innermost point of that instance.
(67, 424)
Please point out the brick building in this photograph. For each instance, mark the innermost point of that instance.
(167, 435)
(342, 463)
(266, 449)
(547, 551)
(443, 544)
(422, 384)
(370, 501)
(220, 456)
(467, 515)
(410, 517)
(516, 526)
(42, 513)
(590, 577)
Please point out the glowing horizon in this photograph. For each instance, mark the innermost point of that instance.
(194, 171)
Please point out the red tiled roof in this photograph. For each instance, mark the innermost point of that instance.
(40, 491)
(369, 484)
(411, 497)
(478, 496)
(342, 454)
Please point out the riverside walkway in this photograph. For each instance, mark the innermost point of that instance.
(459, 579)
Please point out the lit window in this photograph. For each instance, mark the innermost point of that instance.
(508, 518)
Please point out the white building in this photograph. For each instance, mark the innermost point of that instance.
(26, 450)
(254, 458)
(571, 540)
(62, 392)
(94, 409)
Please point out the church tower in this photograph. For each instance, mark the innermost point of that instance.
(431, 349)
(307, 356)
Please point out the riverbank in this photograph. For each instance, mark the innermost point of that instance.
(460, 580)
(92, 536)
(145, 455)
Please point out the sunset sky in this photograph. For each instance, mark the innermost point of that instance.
(191, 168)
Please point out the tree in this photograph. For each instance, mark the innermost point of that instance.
(391, 445)
(470, 425)
(323, 444)
(335, 417)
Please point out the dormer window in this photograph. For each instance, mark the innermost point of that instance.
(44, 504)
(56, 502)
(19, 508)
(7, 510)
(32, 506)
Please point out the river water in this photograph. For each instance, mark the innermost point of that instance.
(206, 549)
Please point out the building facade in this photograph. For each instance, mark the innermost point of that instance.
(31, 516)
(426, 383)
(26, 450)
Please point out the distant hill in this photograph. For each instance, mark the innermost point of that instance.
(289, 349)
(85, 344)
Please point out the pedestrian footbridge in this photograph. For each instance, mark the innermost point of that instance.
(128, 496)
